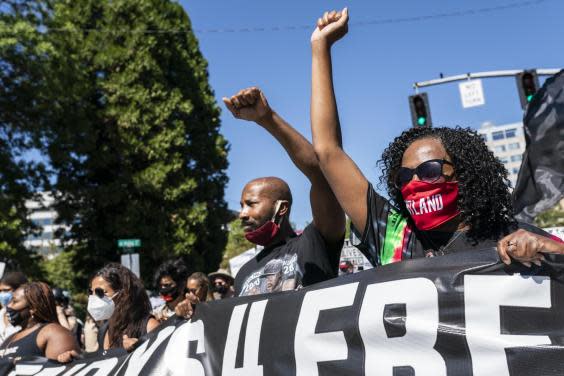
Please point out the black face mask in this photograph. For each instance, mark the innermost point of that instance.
(169, 293)
(17, 318)
(221, 289)
(170, 290)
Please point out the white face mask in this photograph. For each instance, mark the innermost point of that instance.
(100, 308)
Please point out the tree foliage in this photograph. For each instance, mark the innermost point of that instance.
(58, 269)
(130, 127)
(551, 218)
(22, 50)
(236, 242)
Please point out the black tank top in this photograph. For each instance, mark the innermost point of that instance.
(26, 346)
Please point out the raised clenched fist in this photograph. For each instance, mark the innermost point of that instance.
(331, 27)
(249, 104)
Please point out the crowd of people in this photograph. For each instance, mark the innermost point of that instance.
(447, 192)
(39, 321)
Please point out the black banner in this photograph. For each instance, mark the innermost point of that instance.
(460, 314)
(540, 183)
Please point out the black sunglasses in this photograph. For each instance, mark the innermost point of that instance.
(429, 171)
(98, 291)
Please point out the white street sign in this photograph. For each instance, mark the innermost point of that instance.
(131, 261)
(471, 93)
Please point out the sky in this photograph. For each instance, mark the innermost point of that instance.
(374, 65)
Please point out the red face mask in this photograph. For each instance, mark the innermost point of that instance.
(265, 233)
(430, 204)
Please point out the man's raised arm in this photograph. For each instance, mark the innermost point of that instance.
(328, 217)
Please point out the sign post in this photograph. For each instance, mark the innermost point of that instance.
(129, 259)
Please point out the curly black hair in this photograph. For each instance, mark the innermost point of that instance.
(484, 199)
(175, 269)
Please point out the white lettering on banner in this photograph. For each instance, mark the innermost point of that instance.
(311, 347)
(34, 369)
(252, 340)
(141, 355)
(483, 296)
(415, 348)
(102, 368)
(59, 370)
(175, 359)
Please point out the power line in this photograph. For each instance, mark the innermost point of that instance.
(460, 13)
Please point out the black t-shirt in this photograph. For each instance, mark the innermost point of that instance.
(301, 261)
(389, 238)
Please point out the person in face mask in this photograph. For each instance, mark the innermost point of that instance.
(118, 300)
(32, 308)
(222, 284)
(8, 284)
(170, 280)
(266, 204)
(447, 191)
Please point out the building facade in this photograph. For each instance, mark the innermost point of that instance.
(43, 217)
(507, 143)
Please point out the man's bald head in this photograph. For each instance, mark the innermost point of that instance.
(271, 187)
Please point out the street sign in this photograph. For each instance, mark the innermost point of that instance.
(471, 93)
(131, 261)
(129, 243)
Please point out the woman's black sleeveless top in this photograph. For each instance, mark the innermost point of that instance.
(26, 346)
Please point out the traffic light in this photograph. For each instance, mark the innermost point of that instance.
(420, 112)
(527, 84)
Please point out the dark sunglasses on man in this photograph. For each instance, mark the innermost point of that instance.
(429, 171)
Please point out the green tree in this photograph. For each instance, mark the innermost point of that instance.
(236, 242)
(132, 134)
(116, 95)
(58, 269)
(551, 218)
(22, 49)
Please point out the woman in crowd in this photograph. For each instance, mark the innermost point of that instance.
(8, 284)
(197, 291)
(447, 190)
(118, 298)
(33, 309)
(170, 279)
(198, 287)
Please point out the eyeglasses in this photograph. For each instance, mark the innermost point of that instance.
(429, 171)
(193, 291)
(100, 293)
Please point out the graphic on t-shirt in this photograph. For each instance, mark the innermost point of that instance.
(281, 274)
